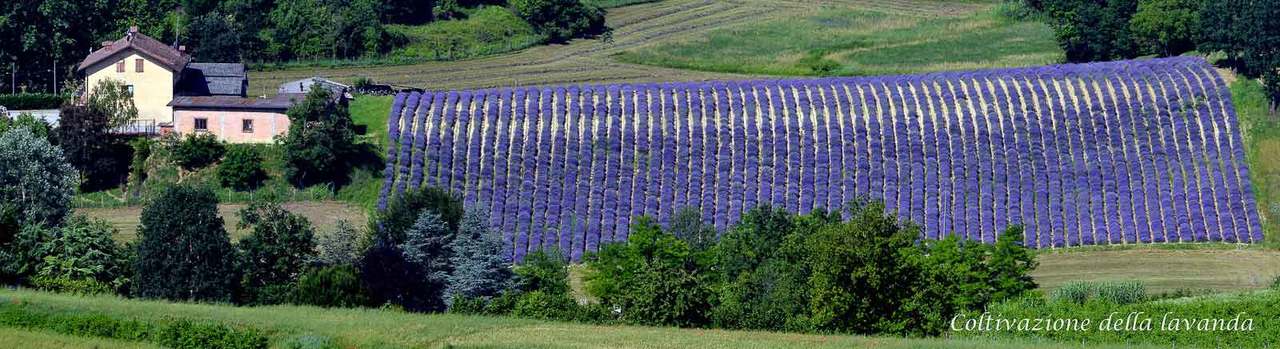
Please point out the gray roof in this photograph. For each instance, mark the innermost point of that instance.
(214, 79)
(304, 86)
(219, 69)
(279, 103)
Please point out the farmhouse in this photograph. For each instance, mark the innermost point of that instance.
(175, 94)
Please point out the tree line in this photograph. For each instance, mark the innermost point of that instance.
(1245, 32)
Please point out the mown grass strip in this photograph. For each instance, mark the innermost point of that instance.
(175, 333)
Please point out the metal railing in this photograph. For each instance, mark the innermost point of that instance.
(137, 127)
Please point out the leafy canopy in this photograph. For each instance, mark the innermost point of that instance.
(273, 255)
(184, 252)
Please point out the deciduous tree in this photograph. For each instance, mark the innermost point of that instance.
(184, 252)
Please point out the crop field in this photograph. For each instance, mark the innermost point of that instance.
(324, 216)
(1194, 267)
(287, 326)
(857, 38)
(637, 27)
(1130, 152)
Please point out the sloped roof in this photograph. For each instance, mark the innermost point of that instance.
(214, 79)
(305, 85)
(279, 103)
(1129, 152)
(161, 54)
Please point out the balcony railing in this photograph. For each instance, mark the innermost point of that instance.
(137, 127)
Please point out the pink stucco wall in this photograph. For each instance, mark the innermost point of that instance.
(227, 124)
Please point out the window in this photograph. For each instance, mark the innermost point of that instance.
(246, 126)
(137, 65)
(202, 124)
(120, 67)
(130, 87)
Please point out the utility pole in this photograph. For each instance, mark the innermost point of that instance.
(55, 75)
(13, 80)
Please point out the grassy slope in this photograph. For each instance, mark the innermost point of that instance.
(485, 31)
(580, 61)
(1261, 133)
(26, 339)
(366, 328)
(861, 41)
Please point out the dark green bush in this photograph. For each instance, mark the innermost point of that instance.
(102, 158)
(561, 20)
(654, 278)
(142, 148)
(29, 101)
(241, 169)
(320, 145)
(764, 266)
(405, 209)
(272, 256)
(542, 288)
(331, 286)
(545, 306)
(186, 334)
(198, 150)
(183, 249)
(462, 304)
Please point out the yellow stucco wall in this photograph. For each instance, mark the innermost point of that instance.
(152, 88)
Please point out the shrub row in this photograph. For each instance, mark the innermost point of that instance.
(29, 101)
(177, 333)
(1114, 292)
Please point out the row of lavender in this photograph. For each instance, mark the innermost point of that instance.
(1105, 153)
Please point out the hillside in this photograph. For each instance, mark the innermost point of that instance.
(639, 28)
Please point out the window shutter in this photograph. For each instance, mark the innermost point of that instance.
(137, 65)
(120, 67)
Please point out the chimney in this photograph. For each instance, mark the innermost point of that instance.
(182, 48)
(106, 44)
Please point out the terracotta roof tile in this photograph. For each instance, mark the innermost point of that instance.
(162, 54)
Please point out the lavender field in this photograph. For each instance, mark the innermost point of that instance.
(1128, 152)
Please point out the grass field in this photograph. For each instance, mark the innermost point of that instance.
(862, 39)
(1261, 133)
(1194, 268)
(369, 328)
(27, 339)
(324, 216)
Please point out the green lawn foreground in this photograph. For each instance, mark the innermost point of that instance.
(27, 339)
(372, 328)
